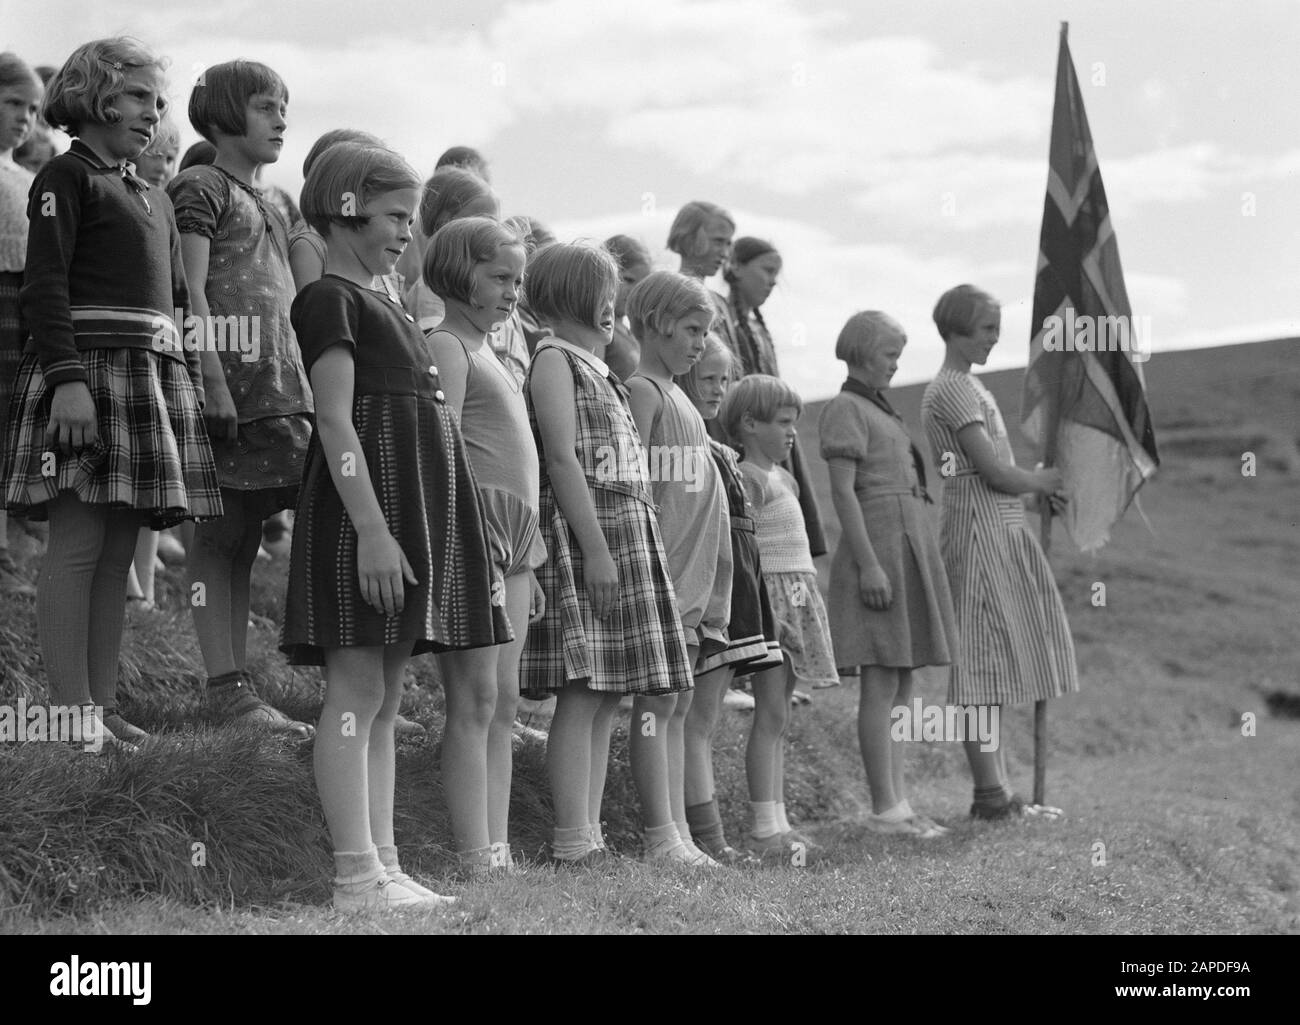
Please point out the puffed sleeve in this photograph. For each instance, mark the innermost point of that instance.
(326, 313)
(955, 404)
(199, 195)
(843, 430)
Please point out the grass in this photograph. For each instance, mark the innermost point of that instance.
(1180, 818)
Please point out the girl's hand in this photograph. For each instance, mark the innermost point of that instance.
(601, 577)
(219, 411)
(72, 425)
(381, 567)
(873, 586)
(1058, 500)
(1048, 479)
(536, 599)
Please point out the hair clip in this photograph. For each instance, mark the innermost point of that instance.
(115, 65)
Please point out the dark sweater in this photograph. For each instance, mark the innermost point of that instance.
(103, 268)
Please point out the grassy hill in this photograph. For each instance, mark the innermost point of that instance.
(1195, 809)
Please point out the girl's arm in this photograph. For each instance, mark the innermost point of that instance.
(453, 368)
(219, 410)
(873, 583)
(305, 263)
(1000, 476)
(646, 403)
(381, 564)
(551, 390)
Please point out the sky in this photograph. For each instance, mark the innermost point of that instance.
(888, 149)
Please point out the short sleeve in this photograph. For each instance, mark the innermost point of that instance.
(954, 403)
(199, 196)
(843, 430)
(325, 314)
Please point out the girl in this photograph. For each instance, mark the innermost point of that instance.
(20, 101)
(1014, 644)
(624, 352)
(390, 556)
(670, 316)
(890, 609)
(258, 401)
(760, 413)
(611, 626)
(477, 266)
(106, 396)
(157, 164)
(751, 642)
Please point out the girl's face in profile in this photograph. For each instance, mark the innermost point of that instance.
(712, 246)
(881, 362)
(378, 244)
(978, 342)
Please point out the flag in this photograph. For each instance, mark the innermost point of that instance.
(1084, 400)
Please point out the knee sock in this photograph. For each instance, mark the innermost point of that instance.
(782, 823)
(706, 824)
(569, 844)
(765, 824)
(993, 796)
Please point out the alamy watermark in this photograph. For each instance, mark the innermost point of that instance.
(631, 462)
(1086, 333)
(76, 724)
(920, 721)
(192, 333)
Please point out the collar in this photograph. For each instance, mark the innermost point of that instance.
(125, 169)
(595, 362)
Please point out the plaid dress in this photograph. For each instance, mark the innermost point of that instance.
(639, 649)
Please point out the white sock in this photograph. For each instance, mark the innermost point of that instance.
(782, 823)
(895, 814)
(661, 839)
(906, 805)
(765, 824)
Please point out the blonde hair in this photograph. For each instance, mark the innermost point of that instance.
(344, 180)
(758, 395)
(863, 333)
(571, 281)
(91, 78)
(662, 298)
(958, 308)
(166, 139)
(685, 237)
(689, 382)
(455, 250)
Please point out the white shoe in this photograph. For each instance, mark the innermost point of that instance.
(383, 894)
(738, 700)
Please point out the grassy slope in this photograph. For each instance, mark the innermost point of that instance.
(1198, 822)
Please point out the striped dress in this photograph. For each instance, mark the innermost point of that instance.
(639, 648)
(1014, 643)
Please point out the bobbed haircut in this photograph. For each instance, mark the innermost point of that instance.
(448, 191)
(686, 236)
(571, 281)
(455, 250)
(332, 138)
(166, 139)
(662, 298)
(958, 308)
(219, 99)
(346, 178)
(864, 333)
(464, 156)
(628, 251)
(15, 73)
(758, 395)
(689, 382)
(83, 89)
